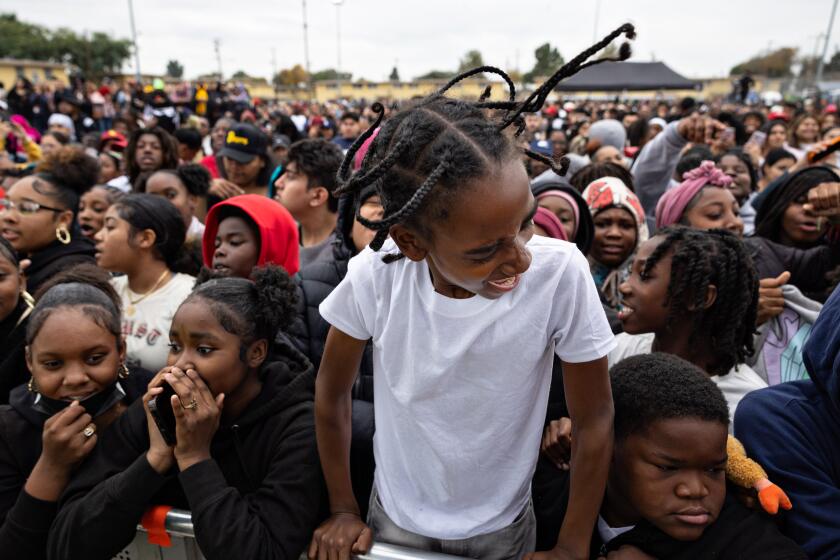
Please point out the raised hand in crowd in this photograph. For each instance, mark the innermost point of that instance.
(701, 129)
(824, 200)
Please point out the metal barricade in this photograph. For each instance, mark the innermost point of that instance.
(180, 528)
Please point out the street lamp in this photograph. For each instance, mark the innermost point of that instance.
(134, 41)
(337, 4)
(825, 45)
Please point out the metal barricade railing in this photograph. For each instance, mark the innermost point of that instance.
(179, 525)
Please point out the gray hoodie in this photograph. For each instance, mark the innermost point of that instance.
(655, 165)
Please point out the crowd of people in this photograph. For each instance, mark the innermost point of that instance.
(477, 327)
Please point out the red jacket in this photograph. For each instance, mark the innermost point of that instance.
(279, 237)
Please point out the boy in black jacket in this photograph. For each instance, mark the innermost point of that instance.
(666, 496)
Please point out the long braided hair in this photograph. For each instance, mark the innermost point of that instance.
(441, 143)
(703, 258)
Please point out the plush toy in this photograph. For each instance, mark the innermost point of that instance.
(744, 472)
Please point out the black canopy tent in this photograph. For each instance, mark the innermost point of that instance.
(626, 76)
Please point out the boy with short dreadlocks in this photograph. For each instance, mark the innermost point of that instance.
(465, 311)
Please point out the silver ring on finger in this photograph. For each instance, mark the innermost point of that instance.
(89, 430)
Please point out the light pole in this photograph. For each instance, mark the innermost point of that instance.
(825, 45)
(134, 40)
(306, 50)
(217, 43)
(338, 4)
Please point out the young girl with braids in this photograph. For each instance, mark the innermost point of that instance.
(465, 310)
(694, 294)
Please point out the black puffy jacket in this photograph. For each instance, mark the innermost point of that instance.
(317, 280)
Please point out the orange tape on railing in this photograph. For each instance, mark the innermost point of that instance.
(154, 521)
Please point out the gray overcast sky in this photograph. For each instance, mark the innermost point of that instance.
(698, 39)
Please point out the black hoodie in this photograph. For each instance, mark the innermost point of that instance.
(260, 496)
(737, 534)
(13, 370)
(25, 520)
(56, 257)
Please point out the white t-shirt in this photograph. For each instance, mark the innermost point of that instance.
(461, 385)
(740, 380)
(196, 229)
(146, 330)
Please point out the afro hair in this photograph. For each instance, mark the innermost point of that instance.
(653, 387)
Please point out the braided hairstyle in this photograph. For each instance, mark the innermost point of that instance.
(717, 258)
(252, 309)
(440, 144)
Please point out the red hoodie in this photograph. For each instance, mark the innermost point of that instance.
(279, 241)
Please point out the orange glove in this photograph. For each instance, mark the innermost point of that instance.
(771, 497)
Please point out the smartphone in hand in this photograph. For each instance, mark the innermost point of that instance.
(160, 408)
(758, 137)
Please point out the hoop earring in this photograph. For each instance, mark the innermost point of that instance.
(28, 299)
(62, 234)
(123, 372)
(30, 385)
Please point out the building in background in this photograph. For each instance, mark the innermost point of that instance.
(36, 71)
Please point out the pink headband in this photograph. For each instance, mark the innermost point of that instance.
(671, 207)
(568, 198)
(363, 150)
(550, 223)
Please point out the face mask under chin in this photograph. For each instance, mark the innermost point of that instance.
(94, 405)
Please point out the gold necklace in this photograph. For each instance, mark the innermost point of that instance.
(131, 303)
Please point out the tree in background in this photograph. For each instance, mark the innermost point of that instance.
(436, 75)
(395, 75)
(96, 55)
(548, 61)
(290, 77)
(331, 74)
(174, 69)
(776, 64)
(809, 66)
(472, 59)
(23, 40)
